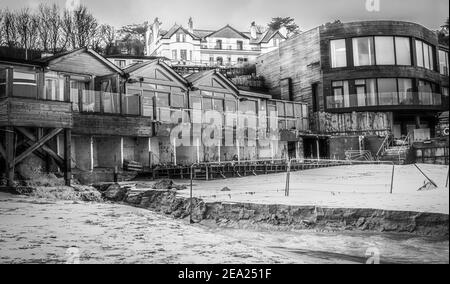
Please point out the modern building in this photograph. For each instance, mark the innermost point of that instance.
(363, 78)
(223, 47)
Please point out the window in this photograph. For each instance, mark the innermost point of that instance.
(338, 53)
(240, 45)
(147, 103)
(230, 106)
(174, 55)
(178, 37)
(403, 50)
(218, 105)
(207, 103)
(289, 109)
(387, 91)
(120, 63)
(424, 55)
(76, 90)
(131, 102)
(445, 98)
(218, 44)
(219, 61)
(183, 54)
(248, 107)
(363, 51)
(195, 102)
(384, 50)
(405, 91)
(54, 89)
(162, 100)
(275, 42)
(281, 109)
(190, 55)
(25, 85)
(443, 62)
(366, 92)
(425, 93)
(177, 100)
(340, 98)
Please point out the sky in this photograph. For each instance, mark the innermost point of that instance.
(214, 14)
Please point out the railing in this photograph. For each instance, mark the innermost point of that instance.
(384, 146)
(358, 155)
(385, 99)
(405, 145)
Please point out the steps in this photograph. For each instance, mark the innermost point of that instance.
(396, 154)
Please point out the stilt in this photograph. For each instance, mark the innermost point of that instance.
(67, 156)
(9, 159)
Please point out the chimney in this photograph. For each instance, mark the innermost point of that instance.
(253, 31)
(191, 25)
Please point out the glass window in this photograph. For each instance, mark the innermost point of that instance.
(174, 55)
(230, 106)
(338, 53)
(281, 109)
(177, 100)
(183, 54)
(443, 62)
(248, 106)
(426, 56)
(207, 104)
(445, 97)
(218, 105)
(147, 103)
(289, 109)
(131, 103)
(419, 53)
(387, 91)
(363, 51)
(298, 110)
(425, 93)
(403, 50)
(162, 99)
(341, 96)
(195, 102)
(405, 91)
(384, 48)
(54, 89)
(25, 85)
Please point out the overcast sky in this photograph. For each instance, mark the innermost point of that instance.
(213, 14)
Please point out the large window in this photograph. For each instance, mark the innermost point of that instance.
(427, 94)
(387, 91)
(147, 103)
(443, 62)
(338, 53)
(405, 91)
(177, 100)
(340, 95)
(363, 51)
(54, 89)
(183, 54)
(403, 50)
(240, 45)
(131, 102)
(366, 92)
(25, 85)
(384, 50)
(424, 55)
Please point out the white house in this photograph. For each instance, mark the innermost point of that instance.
(223, 47)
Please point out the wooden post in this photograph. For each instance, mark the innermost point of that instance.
(198, 150)
(9, 82)
(66, 89)
(67, 156)
(9, 159)
(175, 151)
(91, 153)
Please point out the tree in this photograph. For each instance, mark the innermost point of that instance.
(286, 22)
(50, 32)
(9, 33)
(27, 28)
(80, 28)
(443, 34)
(108, 34)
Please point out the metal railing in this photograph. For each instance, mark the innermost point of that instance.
(384, 146)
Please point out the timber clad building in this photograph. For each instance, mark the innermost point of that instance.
(363, 79)
(80, 114)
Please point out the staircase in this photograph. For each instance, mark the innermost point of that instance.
(394, 153)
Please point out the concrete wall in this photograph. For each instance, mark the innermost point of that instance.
(107, 152)
(81, 153)
(338, 146)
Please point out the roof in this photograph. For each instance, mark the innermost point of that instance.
(228, 35)
(138, 66)
(15, 61)
(270, 34)
(175, 29)
(129, 56)
(49, 59)
(197, 76)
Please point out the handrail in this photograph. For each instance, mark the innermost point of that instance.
(384, 145)
(403, 147)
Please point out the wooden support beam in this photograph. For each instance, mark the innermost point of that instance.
(37, 145)
(9, 82)
(67, 156)
(9, 160)
(58, 159)
(2, 151)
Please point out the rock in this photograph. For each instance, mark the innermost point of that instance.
(115, 193)
(163, 184)
(360, 222)
(225, 189)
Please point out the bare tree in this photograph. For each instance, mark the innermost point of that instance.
(80, 27)
(50, 31)
(109, 37)
(27, 28)
(9, 29)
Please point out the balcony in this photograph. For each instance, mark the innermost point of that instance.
(391, 100)
(24, 101)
